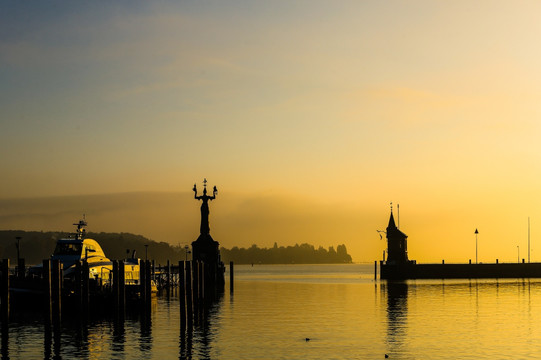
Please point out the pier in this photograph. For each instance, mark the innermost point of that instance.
(398, 266)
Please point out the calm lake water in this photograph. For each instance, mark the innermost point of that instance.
(340, 308)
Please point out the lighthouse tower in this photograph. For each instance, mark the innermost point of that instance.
(397, 244)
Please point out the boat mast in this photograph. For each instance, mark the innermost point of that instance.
(80, 234)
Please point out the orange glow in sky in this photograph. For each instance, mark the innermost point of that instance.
(309, 116)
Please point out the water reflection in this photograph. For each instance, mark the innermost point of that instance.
(145, 339)
(80, 328)
(424, 315)
(52, 340)
(397, 313)
(197, 341)
(5, 340)
(119, 335)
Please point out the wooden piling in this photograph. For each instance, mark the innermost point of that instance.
(85, 276)
(4, 292)
(195, 285)
(116, 287)
(207, 294)
(202, 280)
(182, 294)
(231, 276)
(48, 291)
(56, 290)
(148, 279)
(142, 281)
(189, 298)
(201, 286)
(375, 270)
(122, 286)
(78, 286)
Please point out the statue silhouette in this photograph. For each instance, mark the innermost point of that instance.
(205, 228)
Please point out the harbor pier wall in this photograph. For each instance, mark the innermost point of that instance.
(459, 271)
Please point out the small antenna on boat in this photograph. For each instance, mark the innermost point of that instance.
(79, 235)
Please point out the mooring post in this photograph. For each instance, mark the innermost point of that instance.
(195, 289)
(201, 281)
(142, 281)
(56, 288)
(148, 286)
(4, 293)
(231, 276)
(79, 284)
(116, 287)
(189, 298)
(211, 281)
(121, 286)
(375, 270)
(48, 291)
(85, 275)
(209, 294)
(182, 294)
(202, 286)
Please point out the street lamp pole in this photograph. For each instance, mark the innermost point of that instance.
(518, 254)
(187, 251)
(18, 238)
(528, 239)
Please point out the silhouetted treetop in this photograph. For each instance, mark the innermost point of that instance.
(298, 254)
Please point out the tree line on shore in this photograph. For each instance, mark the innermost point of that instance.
(34, 246)
(297, 254)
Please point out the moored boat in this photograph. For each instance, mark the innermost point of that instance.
(76, 248)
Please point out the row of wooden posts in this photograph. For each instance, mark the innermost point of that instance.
(199, 285)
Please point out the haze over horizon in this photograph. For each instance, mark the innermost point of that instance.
(309, 116)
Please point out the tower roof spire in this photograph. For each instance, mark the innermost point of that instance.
(391, 219)
(392, 224)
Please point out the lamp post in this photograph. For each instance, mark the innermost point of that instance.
(528, 239)
(518, 254)
(18, 238)
(476, 232)
(187, 251)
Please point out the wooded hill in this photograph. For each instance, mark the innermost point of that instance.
(38, 245)
(298, 254)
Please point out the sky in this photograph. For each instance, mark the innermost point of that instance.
(310, 117)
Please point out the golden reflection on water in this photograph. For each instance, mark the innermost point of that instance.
(488, 319)
(290, 312)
